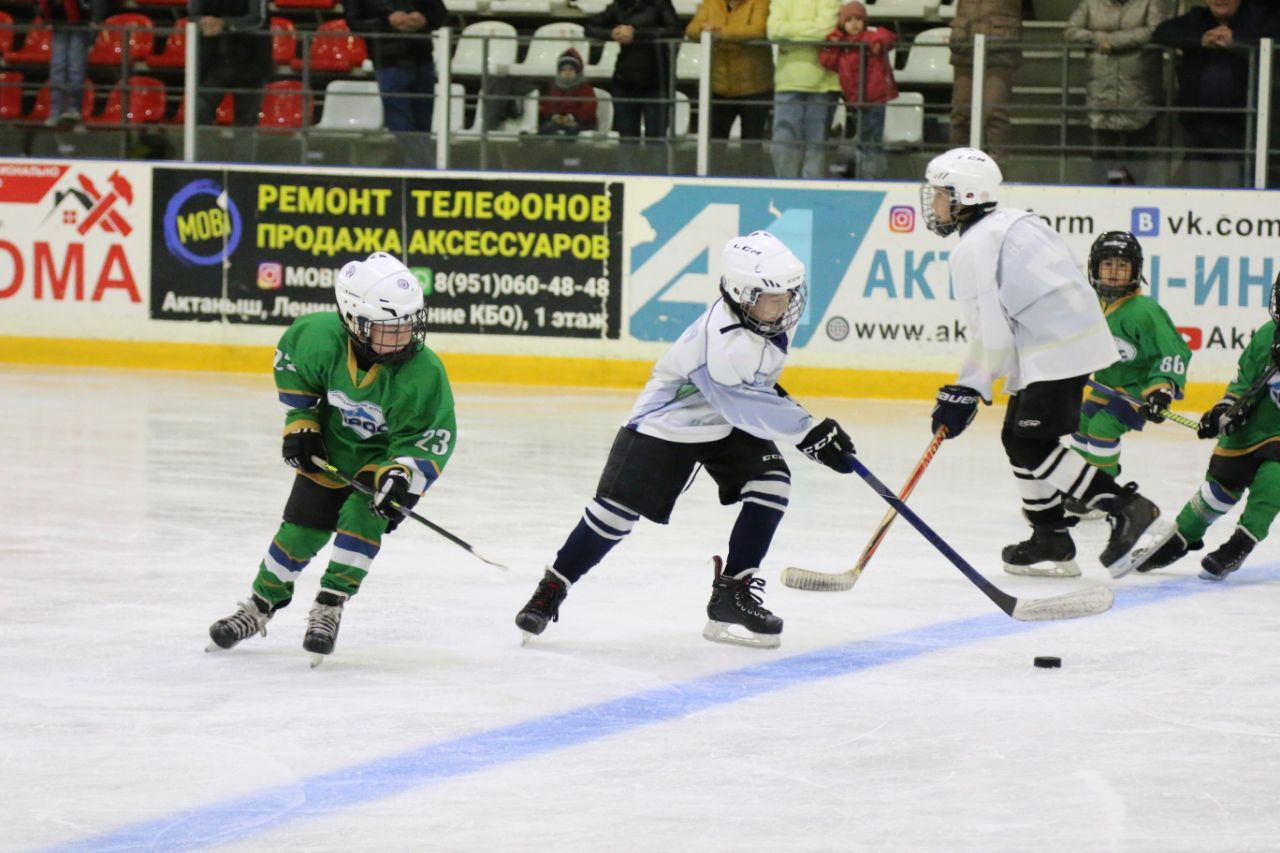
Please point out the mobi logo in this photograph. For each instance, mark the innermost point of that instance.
(88, 205)
(1145, 222)
(202, 224)
(675, 273)
(902, 219)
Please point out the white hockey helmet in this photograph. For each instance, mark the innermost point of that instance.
(968, 176)
(756, 265)
(381, 305)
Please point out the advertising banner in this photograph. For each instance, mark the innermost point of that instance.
(528, 258)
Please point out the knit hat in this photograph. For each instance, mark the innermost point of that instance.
(851, 10)
(570, 57)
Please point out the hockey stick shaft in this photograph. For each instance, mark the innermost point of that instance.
(1246, 398)
(323, 465)
(1169, 414)
(1084, 602)
(878, 536)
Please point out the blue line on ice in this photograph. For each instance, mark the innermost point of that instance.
(271, 808)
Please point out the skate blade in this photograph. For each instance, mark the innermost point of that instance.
(1064, 569)
(214, 647)
(1091, 515)
(525, 637)
(1151, 540)
(735, 635)
(317, 659)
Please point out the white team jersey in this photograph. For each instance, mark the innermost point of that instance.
(718, 376)
(1031, 314)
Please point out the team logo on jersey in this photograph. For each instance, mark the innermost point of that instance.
(363, 418)
(1128, 352)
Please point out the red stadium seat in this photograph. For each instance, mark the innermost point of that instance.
(7, 32)
(144, 105)
(282, 106)
(225, 115)
(10, 95)
(334, 48)
(44, 97)
(109, 48)
(174, 54)
(36, 47)
(284, 41)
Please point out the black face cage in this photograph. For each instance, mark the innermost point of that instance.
(785, 322)
(361, 329)
(1273, 308)
(931, 221)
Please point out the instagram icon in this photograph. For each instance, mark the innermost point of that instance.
(902, 219)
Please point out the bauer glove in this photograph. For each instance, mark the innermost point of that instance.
(955, 407)
(829, 444)
(391, 487)
(1158, 401)
(300, 445)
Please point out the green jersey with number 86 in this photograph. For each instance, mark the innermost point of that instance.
(1152, 351)
(392, 415)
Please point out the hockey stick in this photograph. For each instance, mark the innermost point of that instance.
(1083, 602)
(1246, 399)
(323, 465)
(798, 578)
(1169, 414)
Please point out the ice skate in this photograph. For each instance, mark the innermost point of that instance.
(1136, 532)
(322, 625)
(736, 603)
(251, 618)
(1228, 556)
(543, 607)
(1049, 553)
(1077, 509)
(1168, 553)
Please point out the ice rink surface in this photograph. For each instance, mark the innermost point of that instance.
(904, 714)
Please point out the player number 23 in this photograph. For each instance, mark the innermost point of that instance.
(442, 437)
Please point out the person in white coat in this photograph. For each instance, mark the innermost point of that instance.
(713, 400)
(1035, 322)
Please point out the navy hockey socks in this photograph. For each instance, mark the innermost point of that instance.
(603, 525)
(764, 500)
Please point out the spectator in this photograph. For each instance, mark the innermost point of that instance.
(404, 65)
(568, 106)
(642, 75)
(804, 92)
(741, 74)
(69, 60)
(235, 56)
(1001, 22)
(865, 94)
(1216, 42)
(1124, 78)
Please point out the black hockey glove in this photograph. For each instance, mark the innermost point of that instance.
(1158, 401)
(300, 445)
(1212, 423)
(829, 444)
(393, 486)
(954, 409)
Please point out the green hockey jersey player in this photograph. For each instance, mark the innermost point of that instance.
(363, 391)
(1153, 355)
(1247, 458)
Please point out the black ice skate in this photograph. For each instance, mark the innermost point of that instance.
(1135, 532)
(1168, 553)
(544, 606)
(1049, 553)
(250, 619)
(1228, 556)
(735, 601)
(322, 625)
(1081, 511)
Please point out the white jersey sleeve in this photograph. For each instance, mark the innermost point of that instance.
(716, 377)
(1033, 315)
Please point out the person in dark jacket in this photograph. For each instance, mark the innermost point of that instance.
(642, 76)
(405, 67)
(1216, 42)
(235, 56)
(568, 106)
(68, 61)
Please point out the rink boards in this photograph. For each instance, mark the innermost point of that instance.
(555, 280)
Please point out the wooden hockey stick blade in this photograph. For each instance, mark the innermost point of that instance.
(323, 465)
(1071, 605)
(1169, 414)
(798, 578)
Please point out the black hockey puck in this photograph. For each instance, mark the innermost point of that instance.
(1047, 662)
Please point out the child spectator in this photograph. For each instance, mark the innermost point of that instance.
(856, 47)
(69, 58)
(568, 106)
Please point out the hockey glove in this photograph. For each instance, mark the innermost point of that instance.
(829, 444)
(300, 445)
(954, 409)
(391, 487)
(1158, 401)
(1214, 421)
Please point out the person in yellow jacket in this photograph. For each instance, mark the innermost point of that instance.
(741, 74)
(805, 93)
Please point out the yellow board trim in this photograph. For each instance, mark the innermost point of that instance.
(501, 369)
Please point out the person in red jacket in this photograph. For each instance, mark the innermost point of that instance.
(568, 106)
(860, 55)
